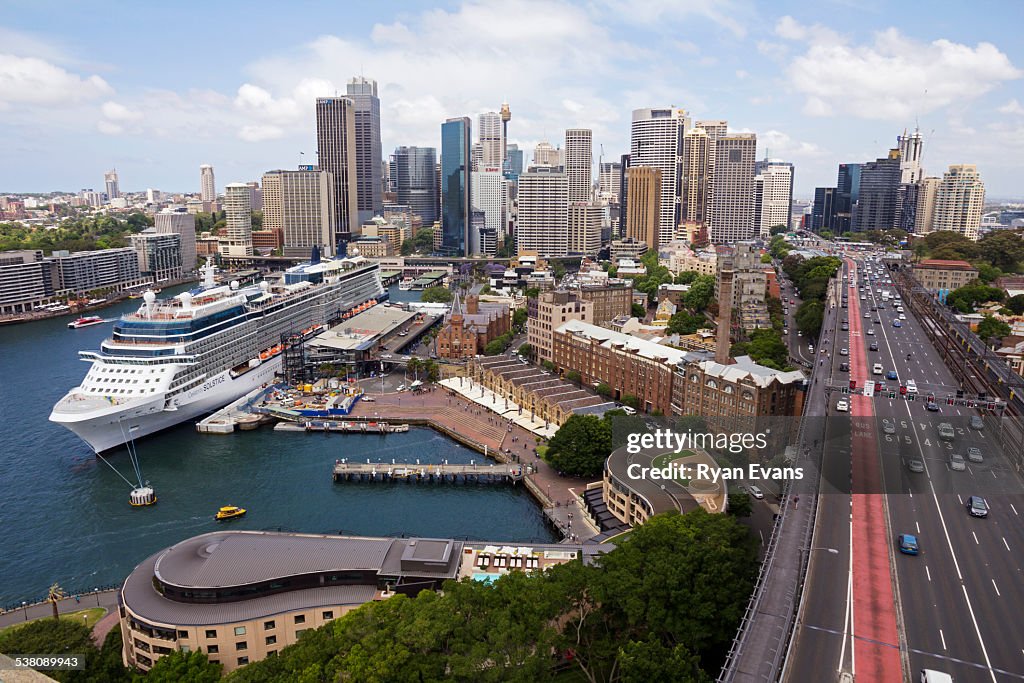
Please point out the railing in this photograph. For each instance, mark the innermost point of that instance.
(32, 602)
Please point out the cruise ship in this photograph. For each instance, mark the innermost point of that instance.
(176, 359)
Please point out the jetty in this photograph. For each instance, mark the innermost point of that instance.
(428, 473)
(347, 426)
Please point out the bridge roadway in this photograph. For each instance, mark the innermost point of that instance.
(958, 601)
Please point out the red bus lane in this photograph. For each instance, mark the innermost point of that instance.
(876, 652)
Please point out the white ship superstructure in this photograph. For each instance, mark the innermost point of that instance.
(176, 359)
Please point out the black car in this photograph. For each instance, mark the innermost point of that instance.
(977, 506)
(844, 367)
(873, 346)
(931, 406)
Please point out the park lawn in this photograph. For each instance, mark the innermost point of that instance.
(88, 616)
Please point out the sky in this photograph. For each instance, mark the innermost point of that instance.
(156, 89)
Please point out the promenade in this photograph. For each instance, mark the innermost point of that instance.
(483, 429)
(106, 599)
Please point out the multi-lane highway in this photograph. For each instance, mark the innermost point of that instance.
(950, 608)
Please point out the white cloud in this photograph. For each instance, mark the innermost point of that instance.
(789, 28)
(779, 144)
(741, 74)
(686, 47)
(774, 51)
(723, 13)
(259, 133)
(1011, 107)
(33, 81)
(895, 77)
(118, 112)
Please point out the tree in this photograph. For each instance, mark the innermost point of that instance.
(519, 318)
(107, 667)
(638, 311)
(1002, 249)
(740, 505)
(651, 660)
(765, 347)
(686, 277)
(55, 595)
(766, 259)
(683, 322)
(486, 289)
(436, 295)
(604, 389)
(631, 401)
(574, 376)
(701, 291)
(507, 249)
(184, 666)
(965, 299)
(989, 327)
(531, 293)
(1016, 304)
(809, 317)
(52, 637)
(580, 446)
(778, 230)
(525, 350)
(987, 273)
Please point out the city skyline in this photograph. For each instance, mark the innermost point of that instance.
(72, 92)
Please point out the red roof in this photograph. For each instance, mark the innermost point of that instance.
(945, 265)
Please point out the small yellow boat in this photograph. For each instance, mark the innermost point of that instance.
(229, 512)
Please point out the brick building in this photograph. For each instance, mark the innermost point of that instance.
(939, 274)
(610, 300)
(472, 327)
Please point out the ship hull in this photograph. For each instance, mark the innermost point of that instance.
(109, 430)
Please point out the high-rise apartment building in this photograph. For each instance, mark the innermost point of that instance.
(207, 186)
(490, 195)
(369, 173)
(414, 176)
(456, 193)
(695, 174)
(924, 213)
(182, 223)
(910, 147)
(775, 200)
(113, 188)
(492, 141)
(876, 209)
(336, 148)
(545, 155)
(237, 208)
(301, 205)
(823, 212)
(732, 208)
(609, 181)
(959, 200)
(656, 137)
(543, 212)
(579, 163)
(643, 190)
(624, 196)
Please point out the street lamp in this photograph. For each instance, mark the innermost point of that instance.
(24, 607)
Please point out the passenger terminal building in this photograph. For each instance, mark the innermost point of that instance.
(241, 596)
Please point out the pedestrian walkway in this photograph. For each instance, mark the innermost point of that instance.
(506, 441)
(18, 615)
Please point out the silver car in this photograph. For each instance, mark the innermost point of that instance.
(915, 465)
(974, 455)
(956, 462)
(888, 427)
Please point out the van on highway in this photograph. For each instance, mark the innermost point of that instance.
(933, 676)
(911, 387)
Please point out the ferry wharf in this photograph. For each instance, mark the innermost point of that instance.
(434, 473)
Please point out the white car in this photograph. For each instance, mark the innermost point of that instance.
(902, 317)
(842, 406)
(871, 332)
(755, 492)
(877, 369)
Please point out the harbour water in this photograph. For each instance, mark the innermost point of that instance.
(65, 514)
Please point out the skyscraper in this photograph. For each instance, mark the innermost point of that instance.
(656, 138)
(823, 212)
(179, 222)
(959, 200)
(776, 198)
(579, 163)
(456, 193)
(910, 147)
(112, 186)
(924, 212)
(624, 195)
(545, 155)
(732, 206)
(715, 128)
(847, 194)
(543, 212)
(336, 148)
(644, 193)
(369, 173)
(609, 179)
(207, 186)
(414, 177)
(695, 176)
(879, 186)
(301, 205)
(491, 139)
(490, 193)
(584, 221)
(513, 165)
(238, 212)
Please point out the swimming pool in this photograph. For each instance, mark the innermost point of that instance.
(486, 577)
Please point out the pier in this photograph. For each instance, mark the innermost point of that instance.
(347, 426)
(433, 473)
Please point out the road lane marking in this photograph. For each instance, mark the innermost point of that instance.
(1013, 508)
(918, 526)
(997, 588)
(976, 541)
(1005, 543)
(926, 571)
(943, 639)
